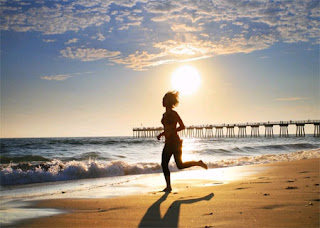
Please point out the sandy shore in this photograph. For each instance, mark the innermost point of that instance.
(280, 195)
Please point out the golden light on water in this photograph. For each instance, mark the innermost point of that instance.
(186, 79)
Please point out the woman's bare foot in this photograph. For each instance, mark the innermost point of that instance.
(167, 189)
(203, 165)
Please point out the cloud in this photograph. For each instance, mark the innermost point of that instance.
(137, 61)
(62, 77)
(100, 37)
(72, 41)
(88, 54)
(292, 99)
(135, 18)
(193, 48)
(49, 40)
(170, 51)
(59, 77)
(51, 18)
(163, 6)
(185, 28)
(147, 33)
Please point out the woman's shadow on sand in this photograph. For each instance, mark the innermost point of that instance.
(152, 218)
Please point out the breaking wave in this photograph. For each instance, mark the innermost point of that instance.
(57, 170)
(233, 151)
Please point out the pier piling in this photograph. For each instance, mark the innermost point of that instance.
(206, 131)
(284, 132)
(268, 130)
(300, 130)
(219, 132)
(255, 131)
(230, 131)
(316, 130)
(242, 131)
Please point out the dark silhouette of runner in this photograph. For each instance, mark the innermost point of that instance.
(173, 143)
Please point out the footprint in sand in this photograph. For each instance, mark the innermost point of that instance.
(241, 188)
(211, 213)
(292, 187)
(304, 172)
(270, 207)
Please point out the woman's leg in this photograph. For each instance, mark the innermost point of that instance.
(166, 155)
(182, 165)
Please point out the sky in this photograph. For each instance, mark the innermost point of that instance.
(101, 67)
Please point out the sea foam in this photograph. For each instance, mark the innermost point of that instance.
(57, 170)
(267, 158)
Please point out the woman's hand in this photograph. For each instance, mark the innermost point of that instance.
(160, 135)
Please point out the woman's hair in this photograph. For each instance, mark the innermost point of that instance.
(171, 99)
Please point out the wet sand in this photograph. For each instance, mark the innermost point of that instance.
(282, 194)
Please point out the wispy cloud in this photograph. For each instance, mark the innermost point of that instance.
(88, 54)
(172, 51)
(292, 99)
(52, 18)
(99, 36)
(198, 29)
(49, 40)
(59, 77)
(184, 28)
(62, 77)
(72, 41)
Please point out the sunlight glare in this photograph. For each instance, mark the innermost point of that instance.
(186, 80)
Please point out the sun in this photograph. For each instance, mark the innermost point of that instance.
(186, 80)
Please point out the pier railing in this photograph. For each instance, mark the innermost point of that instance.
(217, 130)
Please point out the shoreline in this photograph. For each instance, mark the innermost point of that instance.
(279, 194)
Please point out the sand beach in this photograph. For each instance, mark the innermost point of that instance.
(283, 194)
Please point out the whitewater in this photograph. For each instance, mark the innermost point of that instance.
(39, 160)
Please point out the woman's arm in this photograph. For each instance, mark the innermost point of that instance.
(160, 135)
(181, 124)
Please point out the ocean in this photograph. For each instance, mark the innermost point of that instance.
(39, 160)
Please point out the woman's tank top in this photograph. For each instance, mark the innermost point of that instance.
(169, 122)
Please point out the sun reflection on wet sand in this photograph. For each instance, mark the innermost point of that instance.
(14, 211)
(221, 175)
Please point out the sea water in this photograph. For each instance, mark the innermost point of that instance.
(103, 167)
(38, 160)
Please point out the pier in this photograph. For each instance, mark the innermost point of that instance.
(228, 130)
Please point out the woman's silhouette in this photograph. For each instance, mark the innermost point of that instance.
(173, 143)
